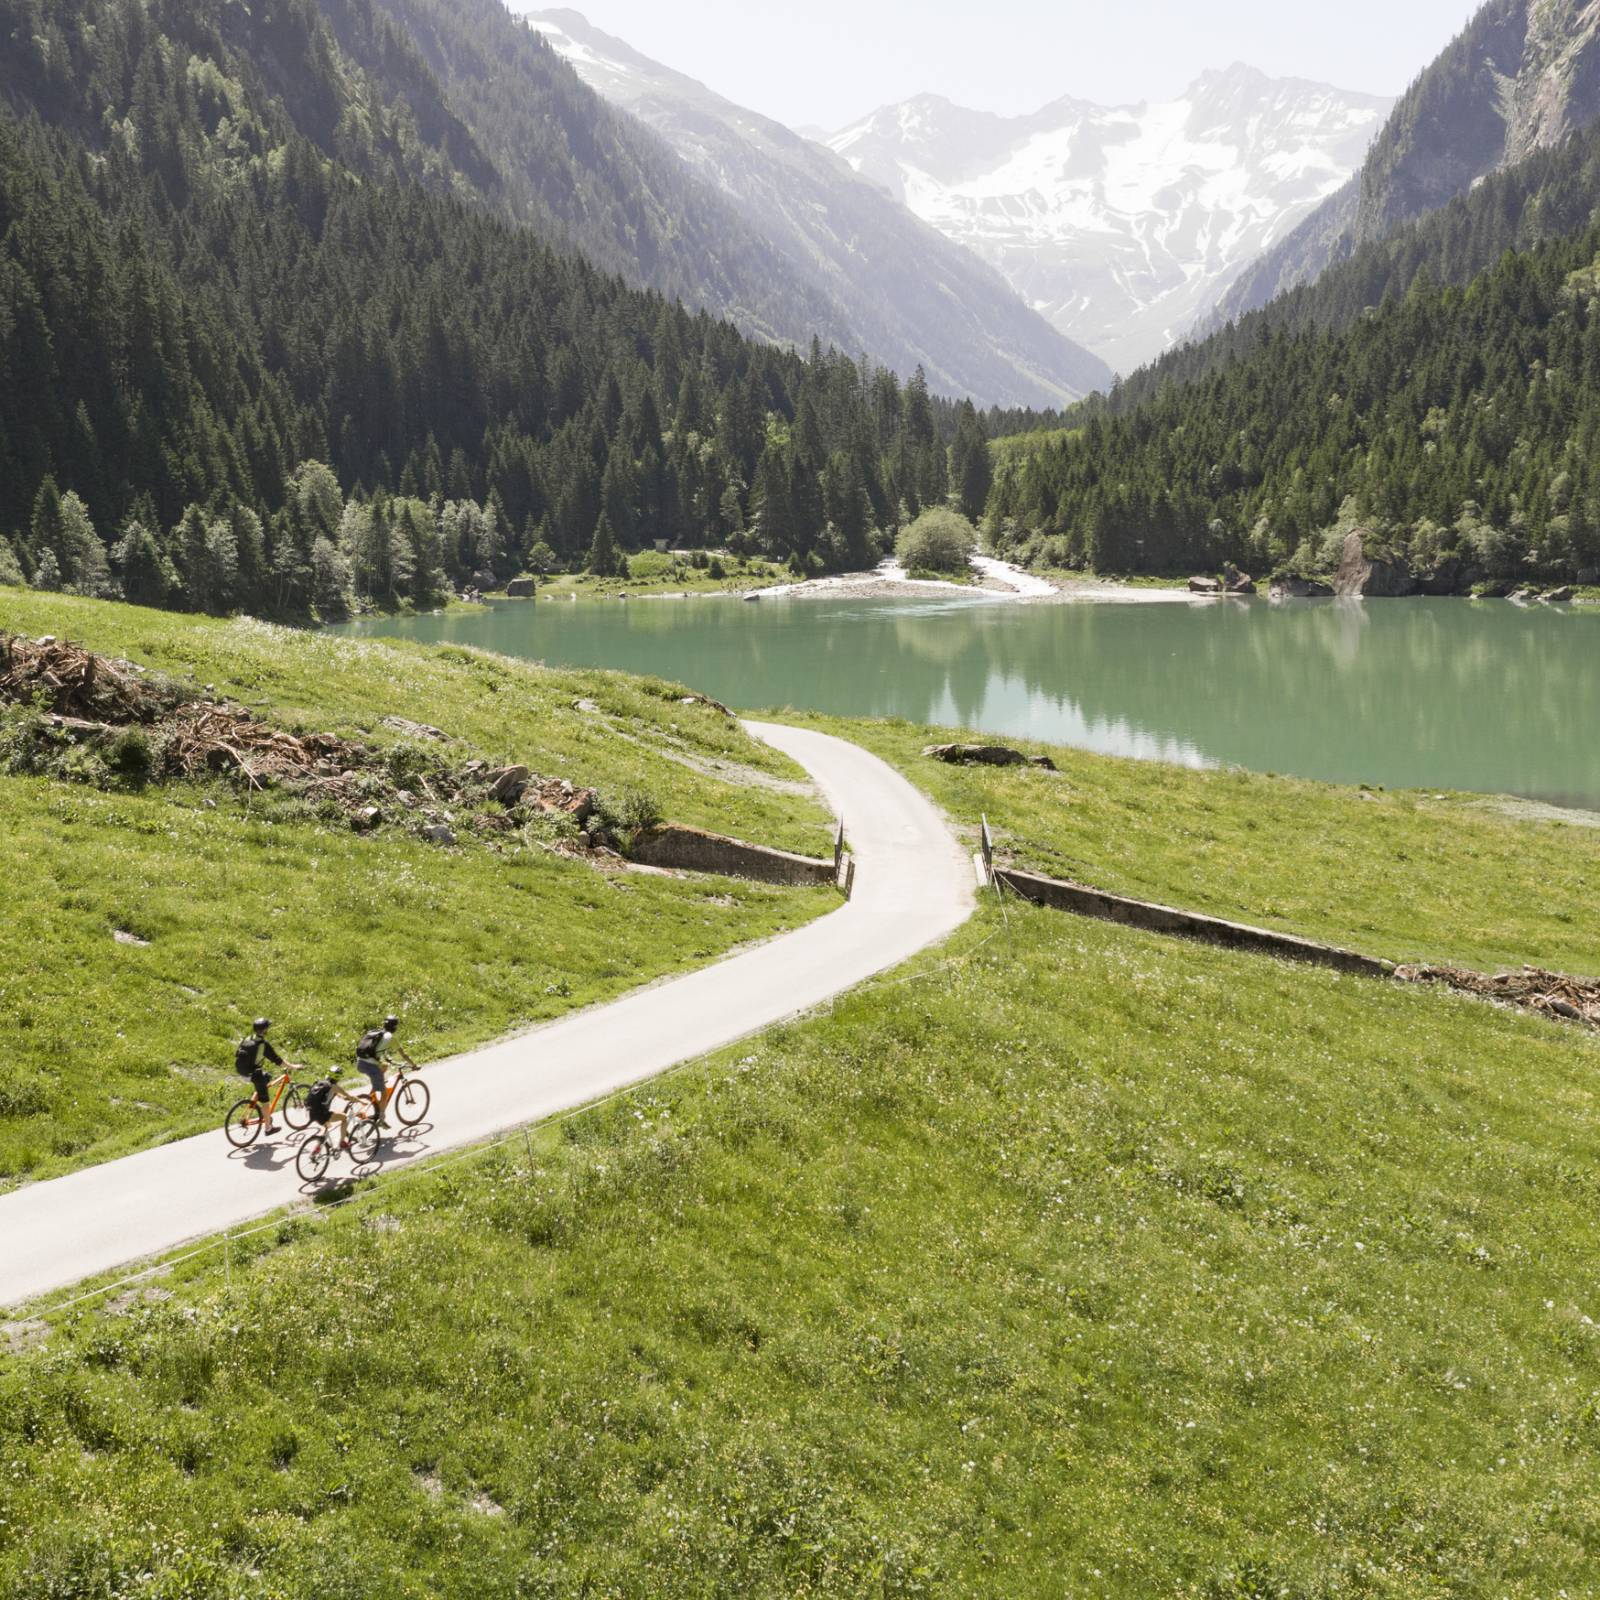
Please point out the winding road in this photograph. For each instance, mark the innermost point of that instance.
(913, 886)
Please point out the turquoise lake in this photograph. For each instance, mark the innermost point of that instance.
(1445, 694)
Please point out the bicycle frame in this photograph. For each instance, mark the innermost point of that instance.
(280, 1087)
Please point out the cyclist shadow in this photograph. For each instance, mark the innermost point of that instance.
(264, 1157)
(402, 1144)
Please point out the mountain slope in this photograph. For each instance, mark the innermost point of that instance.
(1456, 428)
(582, 174)
(1546, 196)
(911, 297)
(1122, 224)
(1520, 76)
(263, 344)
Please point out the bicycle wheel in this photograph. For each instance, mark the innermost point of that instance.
(294, 1107)
(363, 1139)
(243, 1124)
(411, 1102)
(312, 1161)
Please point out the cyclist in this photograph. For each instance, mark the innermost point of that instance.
(370, 1056)
(248, 1055)
(320, 1101)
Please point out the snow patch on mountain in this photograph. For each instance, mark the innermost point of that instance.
(1123, 225)
(912, 297)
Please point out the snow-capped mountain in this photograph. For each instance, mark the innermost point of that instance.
(1123, 225)
(905, 293)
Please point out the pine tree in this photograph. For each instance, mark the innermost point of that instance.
(604, 557)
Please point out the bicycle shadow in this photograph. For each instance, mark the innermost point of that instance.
(264, 1157)
(400, 1145)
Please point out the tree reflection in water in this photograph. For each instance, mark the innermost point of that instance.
(1416, 693)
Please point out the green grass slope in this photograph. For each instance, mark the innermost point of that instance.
(1405, 875)
(1082, 1262)
(253, 907)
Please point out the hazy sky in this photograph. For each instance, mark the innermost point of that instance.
(827, 62)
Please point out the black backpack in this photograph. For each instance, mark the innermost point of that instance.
(245, 1056)
(371, 1043)
(320, 1100)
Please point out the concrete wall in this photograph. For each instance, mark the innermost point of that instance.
(1085, 902)
(693, 850)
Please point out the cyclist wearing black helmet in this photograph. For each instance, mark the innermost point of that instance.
(248, 1056)
(370, 1055)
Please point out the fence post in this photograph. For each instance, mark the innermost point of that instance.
(988, 847)
(850, 878)
(838, 847)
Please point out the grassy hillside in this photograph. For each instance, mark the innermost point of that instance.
(253, 905)
(1089, 1264)
(1397, 873)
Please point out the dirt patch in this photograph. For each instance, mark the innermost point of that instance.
(1537, 811)
(20, 1337)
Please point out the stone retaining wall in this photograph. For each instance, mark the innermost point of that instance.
(694, 850)
(1062, 896)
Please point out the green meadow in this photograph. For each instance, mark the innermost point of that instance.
(1405, 875)
(1070, 1261)
(1066, 1260)
(243, 906)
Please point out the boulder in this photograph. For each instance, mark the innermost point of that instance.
(1522, 597)
(1495, 589)
(986, 755)
(366, 819)
(414, 730)
(1558, 597)
(561, 795)
(1294, 587)
(1236, 582)
(521, 589)
(588, 707)
(1205, 586)
(507, 784)
(1372, 576)
(439, 834)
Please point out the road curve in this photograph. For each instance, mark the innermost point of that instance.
(913, 886)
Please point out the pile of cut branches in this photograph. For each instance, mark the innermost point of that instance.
(210, 737)
(1552, 994)
(76, 683)
(90, 702)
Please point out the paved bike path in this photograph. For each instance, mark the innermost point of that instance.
(913, 886)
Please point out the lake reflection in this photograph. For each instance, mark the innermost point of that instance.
(1406, 693)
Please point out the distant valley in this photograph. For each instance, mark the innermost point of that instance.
(899, 289)
(1124, 224)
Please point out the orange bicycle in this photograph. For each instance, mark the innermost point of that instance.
(246, 1119)
(409, 1095)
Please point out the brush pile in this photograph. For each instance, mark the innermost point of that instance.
(1552, 994)
(208, 737)
(94, 706)
(78, 685)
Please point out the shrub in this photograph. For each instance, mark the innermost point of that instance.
(650, 564)
(940, 540)
(130, 758)
(636, 809)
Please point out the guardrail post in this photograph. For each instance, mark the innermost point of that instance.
(850, 878)
(838, 848)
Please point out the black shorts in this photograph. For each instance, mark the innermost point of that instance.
(261, 1082)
